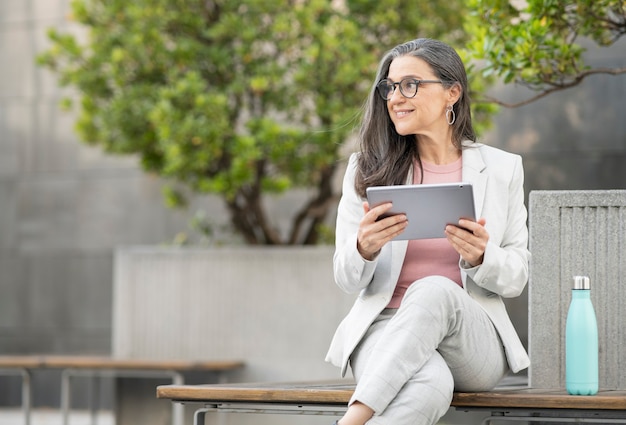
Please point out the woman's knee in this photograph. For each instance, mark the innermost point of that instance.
(436, 375)
(429, 392)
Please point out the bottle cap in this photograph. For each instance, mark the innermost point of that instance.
(581, 282)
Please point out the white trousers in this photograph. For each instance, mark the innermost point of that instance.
(412, 358)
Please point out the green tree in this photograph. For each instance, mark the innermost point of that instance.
(240, 99)
(541, 43)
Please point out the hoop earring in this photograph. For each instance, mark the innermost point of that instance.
(450, 113)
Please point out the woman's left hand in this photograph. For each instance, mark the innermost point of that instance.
(469, 239)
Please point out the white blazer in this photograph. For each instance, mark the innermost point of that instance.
(497, 178)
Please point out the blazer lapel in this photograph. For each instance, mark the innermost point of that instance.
(473, 172)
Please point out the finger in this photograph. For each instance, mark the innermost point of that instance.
(392, 225)
(383, 230)
(468, 225)
(472, 225)
(373, 236)
(468, 252)
(472, 232)
(379, 210)
(470, 247)
(390, 232)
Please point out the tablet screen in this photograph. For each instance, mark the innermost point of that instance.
(429, 207)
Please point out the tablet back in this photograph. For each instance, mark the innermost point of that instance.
(429, 207)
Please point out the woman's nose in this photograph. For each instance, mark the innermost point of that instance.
(396, 95)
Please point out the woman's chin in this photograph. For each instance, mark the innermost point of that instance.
(404, 132)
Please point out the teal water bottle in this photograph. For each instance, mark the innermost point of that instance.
(581, 341)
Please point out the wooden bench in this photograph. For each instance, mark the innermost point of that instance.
(103, 366)
(330, 398)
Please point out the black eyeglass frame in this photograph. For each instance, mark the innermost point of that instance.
(386, 83)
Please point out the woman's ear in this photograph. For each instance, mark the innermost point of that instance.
(454, 93)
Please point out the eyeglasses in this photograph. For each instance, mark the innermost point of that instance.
(408, 87)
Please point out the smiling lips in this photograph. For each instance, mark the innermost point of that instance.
(402, 113)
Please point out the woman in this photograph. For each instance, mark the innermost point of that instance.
(429, 317)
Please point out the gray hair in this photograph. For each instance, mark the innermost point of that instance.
(386, 157)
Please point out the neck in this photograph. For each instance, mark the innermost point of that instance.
(437, 153)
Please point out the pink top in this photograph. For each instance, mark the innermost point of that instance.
(427, 257)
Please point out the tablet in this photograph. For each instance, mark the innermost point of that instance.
(428, 207)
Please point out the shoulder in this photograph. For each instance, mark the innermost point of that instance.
(490, 152)
(352, 165)
(354, 159)
(491, 156)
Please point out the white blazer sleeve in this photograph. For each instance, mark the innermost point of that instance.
(352, 272)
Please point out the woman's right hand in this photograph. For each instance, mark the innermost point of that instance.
(373, 233)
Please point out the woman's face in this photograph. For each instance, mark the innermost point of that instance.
(423, 114)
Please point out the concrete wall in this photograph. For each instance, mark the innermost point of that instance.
(64, 207)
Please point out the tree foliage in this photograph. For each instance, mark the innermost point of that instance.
(541, 43)
(240, 99)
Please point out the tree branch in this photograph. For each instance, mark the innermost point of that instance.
(316, 210)
(555, 87)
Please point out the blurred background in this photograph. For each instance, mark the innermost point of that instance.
(66, 207)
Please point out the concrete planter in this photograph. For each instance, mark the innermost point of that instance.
(275, 308)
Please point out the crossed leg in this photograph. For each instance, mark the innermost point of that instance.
(411, 359)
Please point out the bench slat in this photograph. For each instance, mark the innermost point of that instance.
(23, 362)
(338, 393)
(330, 393)
(104, 362)
(542, 399)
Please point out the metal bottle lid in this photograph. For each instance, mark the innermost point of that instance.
(581, 282)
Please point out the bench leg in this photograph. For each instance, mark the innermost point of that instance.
(27, 391)
(199, 416)
(27, 395)
(94, 398)
(178, 409)
(65, 397)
